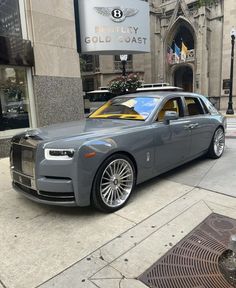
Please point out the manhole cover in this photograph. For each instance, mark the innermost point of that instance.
(193, 262)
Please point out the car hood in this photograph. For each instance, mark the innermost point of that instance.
(83, 128)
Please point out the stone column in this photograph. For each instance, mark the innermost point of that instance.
(56, 78)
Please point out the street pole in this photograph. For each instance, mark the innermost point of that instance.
(123, 59)
(123, 68)
(230, 109)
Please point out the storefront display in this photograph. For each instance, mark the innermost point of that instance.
(14, 100)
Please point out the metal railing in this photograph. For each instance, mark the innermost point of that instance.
(190, 57)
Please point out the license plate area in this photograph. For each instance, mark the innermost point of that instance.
(24, 180)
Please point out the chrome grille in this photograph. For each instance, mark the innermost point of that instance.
(23, 159)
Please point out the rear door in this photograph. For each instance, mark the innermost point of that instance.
(172, 141)
(199, 124)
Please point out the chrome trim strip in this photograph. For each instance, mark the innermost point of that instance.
(55, 196)
(28, 146)
(24, 175)
(15, 181)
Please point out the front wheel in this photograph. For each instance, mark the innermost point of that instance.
(217, 144)
(113, 183)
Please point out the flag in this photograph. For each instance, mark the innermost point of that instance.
(177, 54)
(184, 51)
(169, 54)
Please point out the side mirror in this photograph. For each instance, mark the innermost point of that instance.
(170, 115)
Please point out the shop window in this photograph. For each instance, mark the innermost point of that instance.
(14, 101)
(89, 63)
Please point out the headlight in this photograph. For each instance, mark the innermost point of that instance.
(59, 154)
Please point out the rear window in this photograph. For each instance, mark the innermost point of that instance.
(194, 106)
(210, 106)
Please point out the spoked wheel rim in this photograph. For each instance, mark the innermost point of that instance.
(219, 142)
(116, 183)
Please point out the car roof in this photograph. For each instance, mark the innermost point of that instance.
(98, 91)
(159, 94)
(161, 88)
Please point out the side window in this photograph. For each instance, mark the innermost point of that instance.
(174, 104)
(204, 106)
(193, 105)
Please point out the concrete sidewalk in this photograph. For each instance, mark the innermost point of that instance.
(44, 246)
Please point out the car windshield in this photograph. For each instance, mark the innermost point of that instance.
(131, 108)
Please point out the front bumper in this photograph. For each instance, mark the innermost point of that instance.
(45, 197)
(49, 191)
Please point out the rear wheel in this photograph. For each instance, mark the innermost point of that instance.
(217, 144)
(113, 183)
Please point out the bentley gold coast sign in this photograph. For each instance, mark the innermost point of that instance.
(112, 26)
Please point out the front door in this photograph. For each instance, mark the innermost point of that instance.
(172, 141)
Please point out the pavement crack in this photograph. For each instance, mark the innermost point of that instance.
(207, 172)
(133, 222)
(41, 214)
(3, 285)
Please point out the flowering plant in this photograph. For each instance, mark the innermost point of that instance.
(117, 85)
(122, 84)
(133, 82)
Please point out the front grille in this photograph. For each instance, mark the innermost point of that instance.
(48, 196)
(23, 159)
(21, 179)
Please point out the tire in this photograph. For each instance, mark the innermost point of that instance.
(113, 183)
(217, 146)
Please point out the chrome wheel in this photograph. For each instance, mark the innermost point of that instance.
(219, 142)
(116, 183)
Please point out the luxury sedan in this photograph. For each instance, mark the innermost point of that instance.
(128, 140)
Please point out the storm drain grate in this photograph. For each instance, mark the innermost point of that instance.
(193, 262)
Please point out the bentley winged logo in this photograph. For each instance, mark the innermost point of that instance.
(117, 14)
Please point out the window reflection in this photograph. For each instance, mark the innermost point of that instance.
(14, 102)
(10, 18)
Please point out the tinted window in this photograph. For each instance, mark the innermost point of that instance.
(193, 106)
(210, 106)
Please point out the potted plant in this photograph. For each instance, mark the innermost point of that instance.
(123, 84)
(117, 85)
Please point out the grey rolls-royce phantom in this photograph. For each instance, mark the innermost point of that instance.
(128, 140)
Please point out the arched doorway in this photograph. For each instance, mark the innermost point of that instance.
(183, 77)
(181, 51)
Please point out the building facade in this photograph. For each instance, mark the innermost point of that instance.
(203, 29)
(40, 80)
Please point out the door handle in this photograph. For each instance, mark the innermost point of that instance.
(191, 126)
(195, 125)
